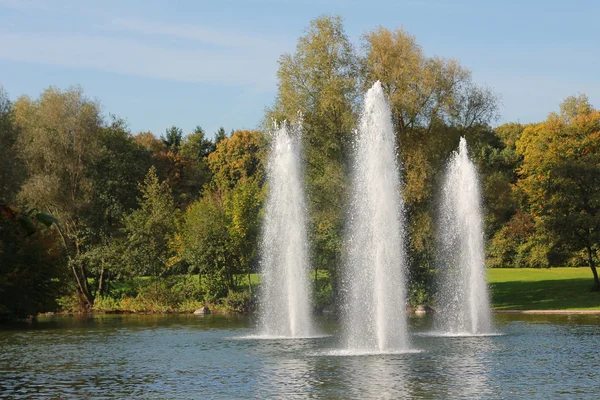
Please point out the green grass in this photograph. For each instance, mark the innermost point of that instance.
(543, 289)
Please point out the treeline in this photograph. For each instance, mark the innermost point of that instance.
(128, 206)
(139, 216)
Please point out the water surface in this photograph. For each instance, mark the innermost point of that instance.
(194, 357)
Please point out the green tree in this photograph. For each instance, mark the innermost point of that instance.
(32, 272)
(11, 166)
(195, 149)
(242, 206)
(560, 176)
(206, 245)
(172, 138)
(58, 141)
(150, 229)
(219, 136)
(122, 163)
(320, 81)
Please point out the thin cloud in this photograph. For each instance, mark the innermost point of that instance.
(201, 34)
(134, 57)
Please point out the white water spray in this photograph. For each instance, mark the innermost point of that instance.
(463, 298)
(285, 302)
(375, 298)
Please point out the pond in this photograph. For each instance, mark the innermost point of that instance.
(194, 357)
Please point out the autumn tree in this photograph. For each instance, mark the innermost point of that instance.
(238, 174)
(434, 102)
(319, 81)
(560, 176)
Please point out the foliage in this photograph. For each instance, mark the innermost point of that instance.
(136, 213)
(32, 272)
(58, 141)
(319, 81)
(150, 229)
(205, 245)
(237, 158)
(238, 302)
(560, 175)
(172, 138)
(11, 168)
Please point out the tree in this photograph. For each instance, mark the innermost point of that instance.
(150, 229)
(172, 138)
(560, 176)
(31, 265)
(434, 102)
(423, 91)
(219, 136)
(195, 149)
(11, 168)
(238, 174)
(58, 141)
(206, 245)
(121, 164)
(236, 158)
(320, 81)
(242, 206)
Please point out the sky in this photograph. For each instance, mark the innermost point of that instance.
(214, 63)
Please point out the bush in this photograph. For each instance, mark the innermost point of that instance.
(238, 302)
(322, 297)
(213, 288)
(106, 304)
(419, 295)
(70, 303)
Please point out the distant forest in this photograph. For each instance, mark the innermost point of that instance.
(94, 217)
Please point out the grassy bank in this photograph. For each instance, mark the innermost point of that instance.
(511, 289)
(543, 289)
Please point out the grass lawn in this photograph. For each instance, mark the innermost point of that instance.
(543, 289)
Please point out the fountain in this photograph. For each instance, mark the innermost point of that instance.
(374, 284)
(285, 292)
(463, 297)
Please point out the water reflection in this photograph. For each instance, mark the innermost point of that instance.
(190, 358)
(377, 377)
(285, 371)
(466, 368)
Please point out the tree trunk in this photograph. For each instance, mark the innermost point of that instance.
(81, 281)
(249, 282)
(593, 266)
(101, 281)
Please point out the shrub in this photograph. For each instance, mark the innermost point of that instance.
(106, 304)
(238, 302)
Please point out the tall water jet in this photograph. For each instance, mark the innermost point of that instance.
(463, 296)
(375, 298)
(285, 302)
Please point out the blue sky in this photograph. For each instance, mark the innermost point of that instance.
(214, 63)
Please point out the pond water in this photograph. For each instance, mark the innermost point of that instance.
(196, 357)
